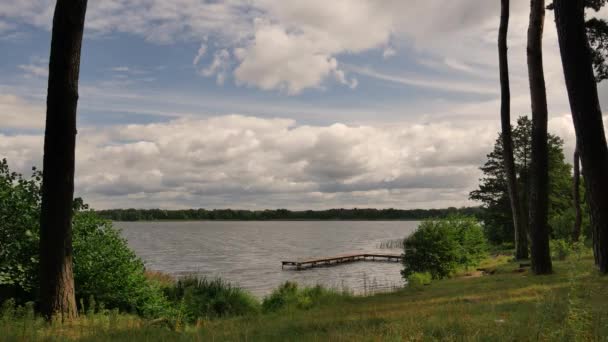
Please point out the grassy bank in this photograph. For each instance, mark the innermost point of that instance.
(571, 304)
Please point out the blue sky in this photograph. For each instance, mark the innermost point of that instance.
(265, 104)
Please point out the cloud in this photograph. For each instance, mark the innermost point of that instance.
(22, 151)
(120, 69)
(4, 26)
(201, 162)
(388, 52)
(18, 113)
(277, 59)
(200, 53)
(34, 70)
(218, 67)
(294, 45)
(445, 85)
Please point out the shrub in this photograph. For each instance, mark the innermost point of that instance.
(441, 246)
(289, 296)
(419, 279)
(473, 245)
(19, 215)
(104, 267)
(203, 298)
(560, 249)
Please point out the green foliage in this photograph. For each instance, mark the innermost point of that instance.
(419, 279)
(104, 266)
(19, 215)
(472, 242)
(560, 249)
(493, 194)
(203, 298)
(106, 269)
(289, 296)
(442, 246)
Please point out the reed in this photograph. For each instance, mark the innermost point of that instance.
(391, 244)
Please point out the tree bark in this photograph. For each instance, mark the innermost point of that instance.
(587, 118)
(576, 196)
(521, 240)
(539, 168)
(57, 297)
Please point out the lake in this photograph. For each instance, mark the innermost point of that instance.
(249, 253)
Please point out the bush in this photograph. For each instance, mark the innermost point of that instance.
(418, 279)
(104, 267)
(560, 249)
(202, 298)
(19, 216)
(441, 246)
(290, 296)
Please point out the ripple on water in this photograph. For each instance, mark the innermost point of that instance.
(249, 254)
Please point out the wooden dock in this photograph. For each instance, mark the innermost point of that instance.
(339, 259)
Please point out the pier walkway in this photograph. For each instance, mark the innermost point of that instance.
(339, 259)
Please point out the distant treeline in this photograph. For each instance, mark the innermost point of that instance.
(282, 214)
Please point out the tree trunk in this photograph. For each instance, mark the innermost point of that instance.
(539, 168)
(576, 196)
(56, 276)
(587, 117)
(521, 240)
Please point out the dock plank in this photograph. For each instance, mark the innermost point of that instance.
(339, 259)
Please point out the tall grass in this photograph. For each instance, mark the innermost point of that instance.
(391, 244)
(289, 296)
(202, 298)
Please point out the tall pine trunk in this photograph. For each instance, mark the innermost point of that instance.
(576, 197)
(587, 118)
(521, 240)
(56, 276)
(539, 168)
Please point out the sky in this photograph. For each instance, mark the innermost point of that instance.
(258, 104)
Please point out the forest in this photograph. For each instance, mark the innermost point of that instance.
(283, 214)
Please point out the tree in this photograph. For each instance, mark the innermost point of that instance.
(493, 193)
(539, 169)
(597, 33)
(587, 117)
(521, 240)
(576, 196)
(56, 270)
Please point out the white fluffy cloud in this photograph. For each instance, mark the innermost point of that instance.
(242, 161)
(279, 60)
(18, 113)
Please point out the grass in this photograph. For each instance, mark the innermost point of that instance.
(569, 305)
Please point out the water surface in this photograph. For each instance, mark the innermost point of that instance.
(249, 254)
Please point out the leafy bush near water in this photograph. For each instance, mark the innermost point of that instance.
(440, 247)
(104, 266)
